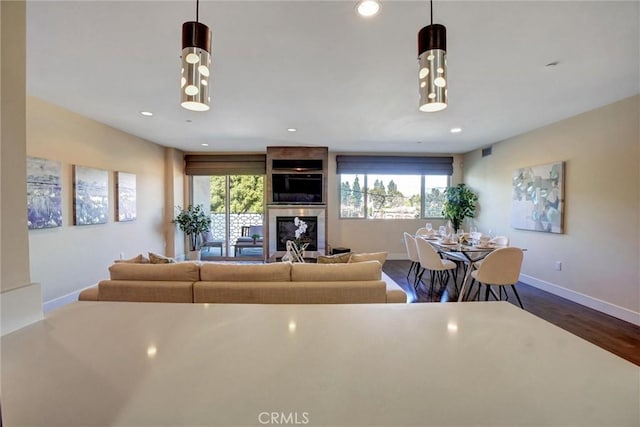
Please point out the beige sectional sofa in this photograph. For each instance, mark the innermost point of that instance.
(276, 283)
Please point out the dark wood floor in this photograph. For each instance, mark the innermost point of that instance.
(614, 335)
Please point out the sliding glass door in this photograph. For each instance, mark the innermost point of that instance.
(236, 206)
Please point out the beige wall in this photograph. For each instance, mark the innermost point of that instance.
(15, 248)
(175, 195)
(20, 300)
(69, 258)
(599, 250)
(373, 235)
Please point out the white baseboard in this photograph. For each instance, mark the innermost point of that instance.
(47, 306)
(582, 299)
(20, 307)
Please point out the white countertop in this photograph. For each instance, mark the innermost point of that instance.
(152, 364)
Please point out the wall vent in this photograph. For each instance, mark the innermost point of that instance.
(486, 151)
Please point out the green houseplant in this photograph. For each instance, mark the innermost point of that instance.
(193, 221)
(460, 203)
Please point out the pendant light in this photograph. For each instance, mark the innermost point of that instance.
(196, 65)
(432, 59)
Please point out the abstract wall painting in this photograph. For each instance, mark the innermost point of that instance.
(44, 193)
(125, 196)
(538, 198)
(90, 196)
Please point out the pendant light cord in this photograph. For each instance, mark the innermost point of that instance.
(431, 5)
(198, 9)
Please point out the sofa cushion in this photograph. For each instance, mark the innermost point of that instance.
(182, 271)
(381, 257)
(139, 259)
(334, 259)
(146, 291)
(221, 272)
(335, 292)
(361, 271)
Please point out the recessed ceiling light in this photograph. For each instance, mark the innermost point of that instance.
(188, 120)
(456, 130)
(292, 130)
(146, 113)
(552, 64)
(204, 144)
(368, 8)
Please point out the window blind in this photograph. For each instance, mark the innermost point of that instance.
(394, 165)
(231, 164)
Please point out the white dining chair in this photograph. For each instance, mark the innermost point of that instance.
(500, 268)
(439, 268)
(412, 254)
(422, 231)
(499, 241)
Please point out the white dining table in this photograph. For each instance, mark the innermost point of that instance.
(154, 364)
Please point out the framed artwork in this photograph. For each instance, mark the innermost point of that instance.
(44, 194)
(90, 196)
(125, 196)
(538, 198)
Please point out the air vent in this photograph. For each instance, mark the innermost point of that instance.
(486, 151)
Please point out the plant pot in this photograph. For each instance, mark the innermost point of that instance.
(193, 255)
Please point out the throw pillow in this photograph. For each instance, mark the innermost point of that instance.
(381, 257)
(334, 259)
(160, 259)
(139, 259)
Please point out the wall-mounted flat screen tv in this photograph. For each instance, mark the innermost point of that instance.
(301, 188)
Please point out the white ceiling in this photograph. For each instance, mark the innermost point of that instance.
(343, 81)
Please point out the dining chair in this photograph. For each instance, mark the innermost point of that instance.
(500, 241)
(496, 241)
(412, 254)
(439, 268)
(422, 231)
(500, 268)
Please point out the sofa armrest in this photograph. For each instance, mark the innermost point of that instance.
(89, 294)
(395, 294)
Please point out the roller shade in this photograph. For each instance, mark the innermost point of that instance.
(394, 165)
(236, 164)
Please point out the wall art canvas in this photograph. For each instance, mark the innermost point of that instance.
(90, 197)
(125, 196)
(44, 193)
(538, 198)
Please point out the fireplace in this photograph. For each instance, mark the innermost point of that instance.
(282, 227)
(286, 230)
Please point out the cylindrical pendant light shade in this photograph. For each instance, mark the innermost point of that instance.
(432, 72)
(196, 66)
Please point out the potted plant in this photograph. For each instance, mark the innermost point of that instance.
(460, 203)
(255, 238)
(192, 222)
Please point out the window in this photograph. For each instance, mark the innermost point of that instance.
(389, 187)
(392, 196)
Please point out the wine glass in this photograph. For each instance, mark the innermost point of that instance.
(460, 234)
(442, 231)
(429, 227)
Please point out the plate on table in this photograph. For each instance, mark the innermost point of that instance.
(483, 246)
(448, 244)
(430, 237)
